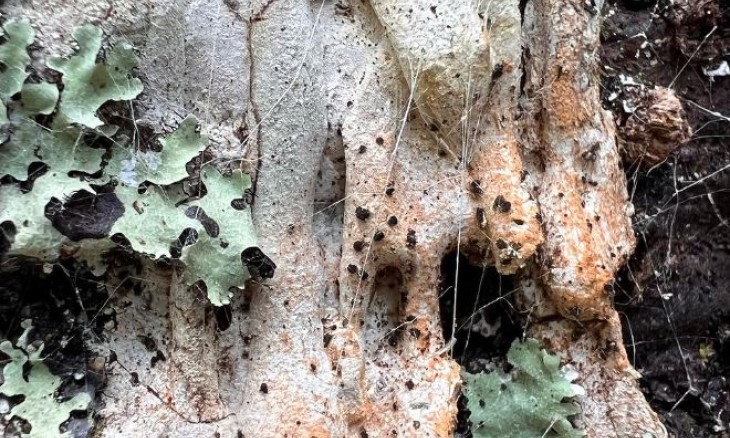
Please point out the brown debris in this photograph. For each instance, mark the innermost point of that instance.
(656, 128)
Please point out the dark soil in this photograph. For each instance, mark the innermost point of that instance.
(675, 294)
(64, 303)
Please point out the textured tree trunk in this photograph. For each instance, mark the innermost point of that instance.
(477, 125)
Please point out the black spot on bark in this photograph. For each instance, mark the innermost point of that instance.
(362, 213)
(501, 205)
(7, 234)
(158, 357)
(223, 317)
(326, 339)
(258, 263)
(411, 238)
(481, 217)
(498, 71)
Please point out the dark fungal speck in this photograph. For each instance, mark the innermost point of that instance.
(481, 217)
(351, 269)
(362, 149)
(264, 388)
(362, 213)
(411, 238)
(390, 189)
(358, 245)
(501, 205)
(476, 187)
(497, 71)
(378, 236)
(392, 221)
(326, 339)
(379, 141)
(239, 204)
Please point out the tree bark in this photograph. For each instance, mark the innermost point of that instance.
(477, 126)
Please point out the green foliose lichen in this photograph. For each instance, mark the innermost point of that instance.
(26, 375)
(529, 402)
(149, 182)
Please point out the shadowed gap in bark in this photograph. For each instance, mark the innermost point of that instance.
(486, 322)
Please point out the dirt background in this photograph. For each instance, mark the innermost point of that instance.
(674, 296)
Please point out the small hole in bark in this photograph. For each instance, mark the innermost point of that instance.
(486, 323)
